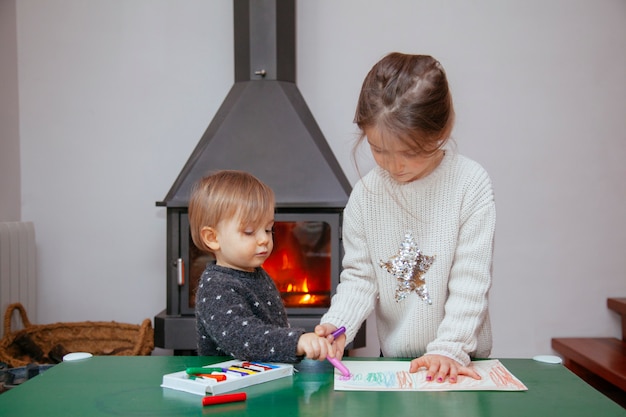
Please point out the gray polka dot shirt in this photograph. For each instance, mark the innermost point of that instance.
(241, 314)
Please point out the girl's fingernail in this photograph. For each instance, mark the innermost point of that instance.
(439, 379)
(429, 378)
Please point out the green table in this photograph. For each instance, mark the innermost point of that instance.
(130, 386)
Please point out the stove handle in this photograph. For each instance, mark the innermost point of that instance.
(180, 271)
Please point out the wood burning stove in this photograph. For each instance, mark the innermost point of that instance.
(305, 265)
(263, 127)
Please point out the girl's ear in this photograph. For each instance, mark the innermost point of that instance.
(209, 237)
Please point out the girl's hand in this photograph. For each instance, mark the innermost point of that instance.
(338, 344)
(439, 367)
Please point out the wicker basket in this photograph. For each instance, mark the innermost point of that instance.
(98, 338)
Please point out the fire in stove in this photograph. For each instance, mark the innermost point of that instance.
(301, 263)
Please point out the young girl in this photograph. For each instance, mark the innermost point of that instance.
(418, 229)
(239, 311)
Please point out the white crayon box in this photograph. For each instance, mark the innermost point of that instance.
(226, 376)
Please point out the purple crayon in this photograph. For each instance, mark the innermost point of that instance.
(336, 362)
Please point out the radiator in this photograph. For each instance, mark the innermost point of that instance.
(18, 276)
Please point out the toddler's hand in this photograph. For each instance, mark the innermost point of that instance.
(314, 347)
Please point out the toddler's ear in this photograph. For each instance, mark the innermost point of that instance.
(209, 237)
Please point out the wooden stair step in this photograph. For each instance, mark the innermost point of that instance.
(619, 306)
(602, 356)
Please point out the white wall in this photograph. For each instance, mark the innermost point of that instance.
(113, 97)
(9, 133)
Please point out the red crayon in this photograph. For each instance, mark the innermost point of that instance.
(218, 377)
(225, 398)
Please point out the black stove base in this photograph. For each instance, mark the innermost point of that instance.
(179, 332)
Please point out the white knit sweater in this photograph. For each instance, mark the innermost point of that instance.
(451, 214)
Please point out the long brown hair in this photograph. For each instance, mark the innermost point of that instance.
(407, 97)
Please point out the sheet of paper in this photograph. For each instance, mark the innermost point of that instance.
(395, 376)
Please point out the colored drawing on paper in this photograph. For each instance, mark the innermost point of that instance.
(395, 376)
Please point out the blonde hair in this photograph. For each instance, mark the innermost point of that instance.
(225, 195)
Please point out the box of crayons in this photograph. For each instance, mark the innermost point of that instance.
(226, 376)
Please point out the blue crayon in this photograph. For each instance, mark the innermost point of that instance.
(265, 365)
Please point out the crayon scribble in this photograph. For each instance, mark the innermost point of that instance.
(382, 379)
(503, 378)
(405, 380)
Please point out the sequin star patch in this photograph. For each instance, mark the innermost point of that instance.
(408, 266)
